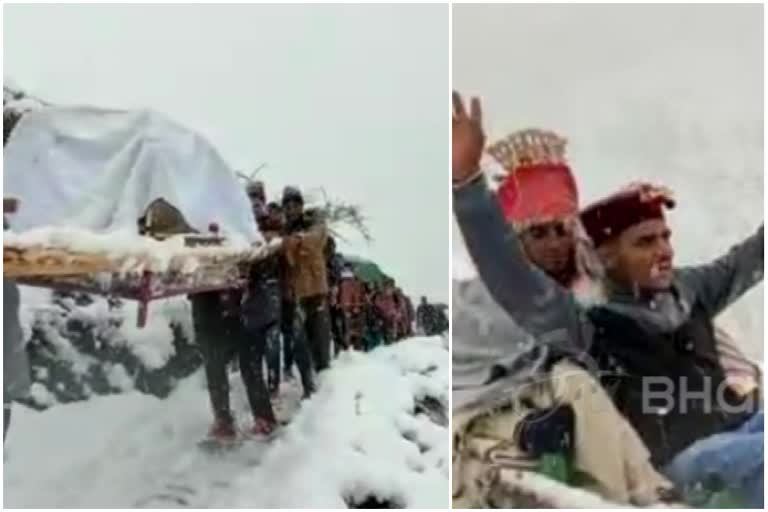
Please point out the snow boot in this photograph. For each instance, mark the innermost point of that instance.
(223, 430)
(262, 428)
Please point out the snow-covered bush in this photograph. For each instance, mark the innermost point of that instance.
(80, 345)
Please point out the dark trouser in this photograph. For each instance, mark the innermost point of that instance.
(252, 351)
(317, 326)
(390, 332)
(340, 341)
(354, 325)
(295, 346)
(288, 329)
(273, 358)
(6, 418)
(218, 350)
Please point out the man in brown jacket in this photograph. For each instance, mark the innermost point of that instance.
(304, 243)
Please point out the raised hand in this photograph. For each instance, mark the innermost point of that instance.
(467, 139)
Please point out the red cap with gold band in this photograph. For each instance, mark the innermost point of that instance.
(538, 185)
(610, 217)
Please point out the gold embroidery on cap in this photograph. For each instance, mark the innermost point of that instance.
(528, 147)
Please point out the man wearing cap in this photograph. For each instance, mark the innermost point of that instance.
(504, 384)
(653, 337)
(305, 239)
(261, 304)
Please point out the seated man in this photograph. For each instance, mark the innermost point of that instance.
(509, 401)
(654, 326)
(655, 336)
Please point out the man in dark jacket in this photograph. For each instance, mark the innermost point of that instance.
(424, 317)
(334, 263)
(220, 335)
(654, 329)
(272, 225)
(260, 316)
(235, 323)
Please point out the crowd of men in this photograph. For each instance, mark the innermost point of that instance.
(303, 304)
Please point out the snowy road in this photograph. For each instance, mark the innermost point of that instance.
(359, 437)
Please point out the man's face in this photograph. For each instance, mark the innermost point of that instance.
(550, 246)
(256, 193)
(642, 256)
(257, 207)
(275, 217)
(293, 210)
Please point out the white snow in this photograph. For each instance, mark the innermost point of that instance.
(23, 105)
(136, 253)
(99, 169)
(357, 437)
(152, 344)
(349, 440)
(118, 378)
(41, 396)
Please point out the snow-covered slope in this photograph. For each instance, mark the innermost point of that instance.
(364, 435)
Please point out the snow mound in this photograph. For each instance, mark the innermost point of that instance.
(79, 348)
(361, 436)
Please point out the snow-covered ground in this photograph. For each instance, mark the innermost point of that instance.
(362, 435)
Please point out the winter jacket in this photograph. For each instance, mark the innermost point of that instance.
(685, 358)
(558, 321)
(492, 356)
(262, 301)
(216, 312)
(351, 294)
(16, 370)
(305, 258)
(424, 314)
(334, 267)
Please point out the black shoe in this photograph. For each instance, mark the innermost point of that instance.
(670, 495)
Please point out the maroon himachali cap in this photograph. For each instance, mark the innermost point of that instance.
(610, 217)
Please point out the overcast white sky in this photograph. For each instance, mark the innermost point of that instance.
(350, 98)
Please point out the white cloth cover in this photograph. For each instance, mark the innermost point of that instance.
(99, 169)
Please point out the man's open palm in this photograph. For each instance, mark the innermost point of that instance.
(467, 138)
